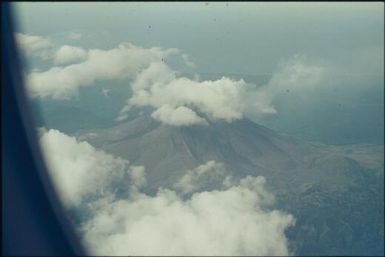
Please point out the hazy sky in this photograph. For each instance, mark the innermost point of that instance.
(329, 56)
(224, 37)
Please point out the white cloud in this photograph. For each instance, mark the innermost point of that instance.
(187, 61)
(75, 35)
(230, 220)
(105, 92)
(224, 99)
(208, 175)
(159, 87)
(177, 100)
(79, 170)
(70, 54)
(125, 61)
(138, 176)
(121, 117)
(31, 43)
(178, 116)
(296, 75)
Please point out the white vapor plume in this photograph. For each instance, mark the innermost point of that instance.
(182, 101)
(294, 75)
(159, 87)
(179, 116)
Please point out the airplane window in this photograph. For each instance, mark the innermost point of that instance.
(211, 128)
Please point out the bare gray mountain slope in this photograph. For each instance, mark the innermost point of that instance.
(336, 193)
(244, 147)
(167, 151)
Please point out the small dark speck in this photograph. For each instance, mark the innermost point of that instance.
(162, 60)
(339, 105)
(288, 90)
(206, 3)
(149, 26)
(215, 19)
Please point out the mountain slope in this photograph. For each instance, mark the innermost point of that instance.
(335, 195)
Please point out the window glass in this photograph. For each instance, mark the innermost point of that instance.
(211, 128)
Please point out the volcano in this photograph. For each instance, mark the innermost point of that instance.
(333, 191)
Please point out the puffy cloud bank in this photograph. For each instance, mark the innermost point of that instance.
(32, 43)
(70, 54)
(176, 100)
(82, 172)
(226, 222)
(179, 116)
(221, 215)
(202, 177)
(125, 61)
(182, 101)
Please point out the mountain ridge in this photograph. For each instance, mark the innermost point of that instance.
(323, 186)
